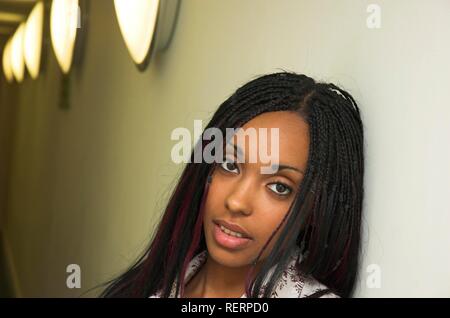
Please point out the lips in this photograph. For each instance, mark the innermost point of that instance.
(234, 228)
(229, 241)
(230, 236)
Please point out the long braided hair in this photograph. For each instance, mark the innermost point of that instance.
(324, 220)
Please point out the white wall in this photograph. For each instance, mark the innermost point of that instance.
(88, 183)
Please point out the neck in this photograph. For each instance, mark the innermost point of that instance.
(217, 280)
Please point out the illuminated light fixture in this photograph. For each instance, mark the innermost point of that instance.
(7, 67)
(33, 39)
(64, 18)
(146, 26)
(17, 60)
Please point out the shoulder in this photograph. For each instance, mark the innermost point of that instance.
(294, 284)
(312, 288)
(194, 265)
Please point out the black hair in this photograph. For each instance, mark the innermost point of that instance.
(324, 220)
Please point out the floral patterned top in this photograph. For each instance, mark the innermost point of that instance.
(292, 284)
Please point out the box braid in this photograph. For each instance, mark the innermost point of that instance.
(326, 215)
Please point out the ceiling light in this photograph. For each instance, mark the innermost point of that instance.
(7, 67)
(33, 39)
(146, 26)
(64, 17)
(17, 60)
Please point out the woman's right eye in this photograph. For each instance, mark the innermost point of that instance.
(230, 166)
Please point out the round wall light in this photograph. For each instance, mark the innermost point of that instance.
(64, 18)
(146, 26)
(17, 60)
(6, 61)
(33, 39)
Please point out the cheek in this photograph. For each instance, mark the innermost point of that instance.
(215, 199)
(267, 218)
(269, 209)
(214, 205)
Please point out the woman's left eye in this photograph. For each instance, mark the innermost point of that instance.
(280, 188)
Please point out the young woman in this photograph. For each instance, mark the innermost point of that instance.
(230, 230)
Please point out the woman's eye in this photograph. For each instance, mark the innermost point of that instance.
(280, 188)
(230, 166)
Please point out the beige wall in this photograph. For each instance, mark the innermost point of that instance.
(8, 96)
(88, 183)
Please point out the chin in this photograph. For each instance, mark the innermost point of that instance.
(226, 257)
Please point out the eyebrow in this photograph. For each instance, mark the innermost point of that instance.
(280, 167)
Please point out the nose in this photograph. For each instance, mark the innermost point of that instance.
(240, 198)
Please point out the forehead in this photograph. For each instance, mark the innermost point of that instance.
(293, 134)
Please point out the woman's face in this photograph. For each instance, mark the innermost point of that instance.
(241, 194)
